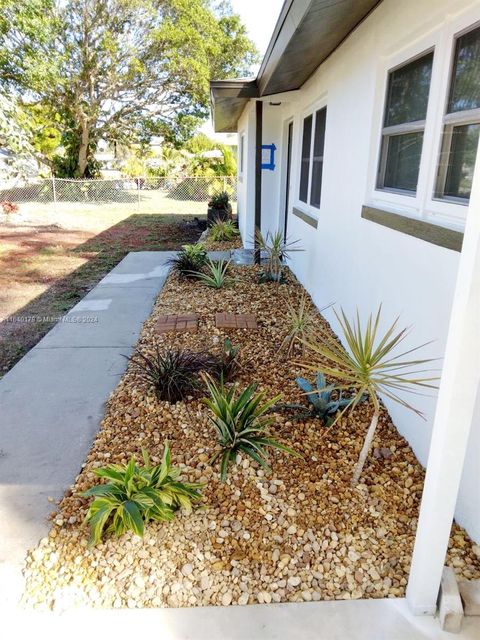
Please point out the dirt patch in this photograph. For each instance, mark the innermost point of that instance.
(299, 533)
(45, 269)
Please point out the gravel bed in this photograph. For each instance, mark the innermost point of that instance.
(300, 533)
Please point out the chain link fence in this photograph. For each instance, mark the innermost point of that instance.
(165, 195)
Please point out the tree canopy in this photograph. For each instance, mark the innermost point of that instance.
(119, 70)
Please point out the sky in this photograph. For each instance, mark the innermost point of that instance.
(260, 17)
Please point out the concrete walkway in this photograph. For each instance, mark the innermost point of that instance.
(336, 620)
(53, 400)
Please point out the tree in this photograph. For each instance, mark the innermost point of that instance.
(120, 70)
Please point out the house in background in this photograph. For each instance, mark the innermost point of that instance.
(359, 137)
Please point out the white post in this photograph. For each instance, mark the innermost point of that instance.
(457, 396)
(137, 180)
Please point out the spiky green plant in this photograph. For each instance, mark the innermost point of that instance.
(223, 231)
(215, 275)
(241, 424)
(228, 360)
(173, 373)
(300, 323)
(137, 494)
(190, 260)
(370, 366)
(277, 249)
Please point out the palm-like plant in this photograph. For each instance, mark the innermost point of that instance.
(301, 323)
(216, 274)
(241, 424)
(137, 494)
(370, 367)
(277, 249)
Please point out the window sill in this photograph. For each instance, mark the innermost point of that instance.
(313, 222)
(433, 233)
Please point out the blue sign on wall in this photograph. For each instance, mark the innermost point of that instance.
(268, 156)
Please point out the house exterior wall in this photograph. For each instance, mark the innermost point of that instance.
(350, 260)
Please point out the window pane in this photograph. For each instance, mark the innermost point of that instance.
(407, 96)
(306, 143)
(465, 89)
(317, 167)
(403, 161)
(461, 161)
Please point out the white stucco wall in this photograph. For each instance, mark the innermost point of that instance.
(349, 260)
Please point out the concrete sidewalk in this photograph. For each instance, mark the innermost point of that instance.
(53, 400)
(334, 620)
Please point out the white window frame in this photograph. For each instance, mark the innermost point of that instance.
(423, 205)
(311, 110)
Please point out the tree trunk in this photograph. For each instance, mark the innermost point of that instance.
(366, 447)
(83, 148)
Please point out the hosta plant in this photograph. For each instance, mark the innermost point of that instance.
(371, 366)
(277, 249)
(173, 373)
(215, 274)
(223, 231)
(136, 494)
(190, 260)
(241, 424)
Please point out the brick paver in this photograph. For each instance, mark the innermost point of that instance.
(177, 323)
(235, 321)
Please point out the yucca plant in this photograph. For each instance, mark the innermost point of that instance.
(190, 260)
(173, 373)
(137, 494)
(223, 231)
(241, 424)
(370, 367)
(215, 275)
(300, 323)
(277, 249)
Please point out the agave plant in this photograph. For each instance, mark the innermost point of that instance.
(241, 424)
(216, 275)
(190, 260)
(173, 373)
(137, 494)
(277, 249)
(370, 367)
(223, 231)
(320, 399)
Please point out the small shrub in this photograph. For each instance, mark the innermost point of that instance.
(223, 231)
(241, 424)
(190, 260)
(173, 373)
(277, 249)
(136, 495)
(219, 201)
(215, 275)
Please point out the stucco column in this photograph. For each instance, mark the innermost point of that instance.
(453, 420)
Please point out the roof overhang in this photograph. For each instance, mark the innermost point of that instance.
(229, 98)
(306, 33)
